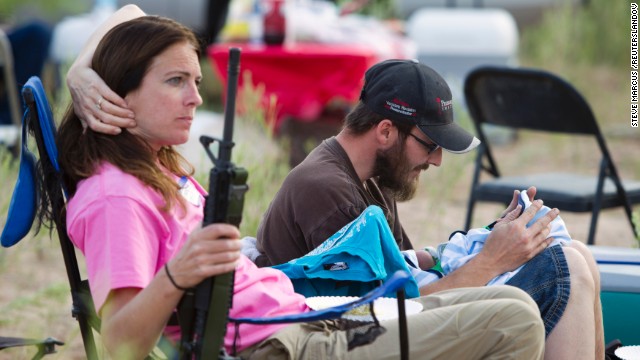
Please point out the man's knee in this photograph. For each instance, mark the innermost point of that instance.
(581, 278)
(520, 312)
(588, 257)
(512, 292)
(513, 307)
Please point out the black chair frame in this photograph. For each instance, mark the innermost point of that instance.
(49, 191)
(520, 98)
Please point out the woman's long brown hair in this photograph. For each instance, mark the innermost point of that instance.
(122, 59)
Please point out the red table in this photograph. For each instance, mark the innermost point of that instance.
(303, 77)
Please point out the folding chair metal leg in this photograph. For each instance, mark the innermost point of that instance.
(88, 340)
(622, 194)
(474, 181)
(470, 206)
(597, 204)
(404, 332)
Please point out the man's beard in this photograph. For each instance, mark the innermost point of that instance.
(393, 170)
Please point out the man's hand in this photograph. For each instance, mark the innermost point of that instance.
(512, 244)
(531, 192)
(97, 106)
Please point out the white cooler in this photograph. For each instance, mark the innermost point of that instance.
(620, 292)
(455, 40)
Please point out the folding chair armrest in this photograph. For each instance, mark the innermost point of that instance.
(393, 284)
(46, 346)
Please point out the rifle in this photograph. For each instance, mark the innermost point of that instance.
(203, 314)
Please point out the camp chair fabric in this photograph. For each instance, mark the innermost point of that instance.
(43, 185)
(352, 261)
(519, 98)
(22, 208)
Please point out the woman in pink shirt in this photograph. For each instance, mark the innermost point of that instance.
(135, 213)
(134, 207)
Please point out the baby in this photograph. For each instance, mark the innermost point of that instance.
(462, 247)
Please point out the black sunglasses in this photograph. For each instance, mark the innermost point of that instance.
(431, 148)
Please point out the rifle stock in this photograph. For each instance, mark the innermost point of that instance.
(205, 322)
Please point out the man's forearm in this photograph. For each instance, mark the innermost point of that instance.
(477, 272)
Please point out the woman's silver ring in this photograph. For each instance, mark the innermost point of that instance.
(99, 103)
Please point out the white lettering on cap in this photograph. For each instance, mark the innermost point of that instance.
(400, 107)
(444, 104)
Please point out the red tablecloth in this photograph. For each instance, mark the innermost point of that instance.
(303, 77)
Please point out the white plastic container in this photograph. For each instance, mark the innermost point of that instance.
(455, 40)
(619, 292)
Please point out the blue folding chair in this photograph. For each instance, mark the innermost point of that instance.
(37, 183)
(40, 182)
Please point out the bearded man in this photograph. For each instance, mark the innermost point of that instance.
(398, 129)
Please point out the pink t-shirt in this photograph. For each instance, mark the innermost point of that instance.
(116, 221)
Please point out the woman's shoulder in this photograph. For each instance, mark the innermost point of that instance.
(114, 179)
(109, 181)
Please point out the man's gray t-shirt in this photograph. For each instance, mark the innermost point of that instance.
(318, 197)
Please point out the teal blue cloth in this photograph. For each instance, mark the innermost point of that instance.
(352, 261)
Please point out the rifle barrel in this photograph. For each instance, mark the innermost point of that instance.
(230, 106)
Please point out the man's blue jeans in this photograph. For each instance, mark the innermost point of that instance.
(546, 279)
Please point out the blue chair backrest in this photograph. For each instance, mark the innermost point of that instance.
(358, 257)
(24, 200)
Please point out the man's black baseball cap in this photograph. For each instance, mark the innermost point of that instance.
(413, 93)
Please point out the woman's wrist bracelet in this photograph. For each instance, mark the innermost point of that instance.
(166, 269)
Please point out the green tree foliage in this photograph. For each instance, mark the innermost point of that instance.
(13, 11)
(596, 33)
(382, 9)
